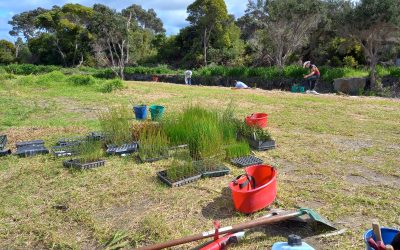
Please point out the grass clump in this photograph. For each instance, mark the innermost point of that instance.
(181, 169)
(82, 80)
(253, 132)
(90, 151)
(237, 150)
(111, 85)
(153, 142)
(116, 125)
(201, 129)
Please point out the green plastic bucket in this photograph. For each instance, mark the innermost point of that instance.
(156, 112)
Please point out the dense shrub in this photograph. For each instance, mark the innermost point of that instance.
(329, 74)
(6, 76)
(82, 79)
(111, 85)
(50, 78)
(162, 69)
(27, 69)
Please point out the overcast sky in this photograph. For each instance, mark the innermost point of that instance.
(172, 12)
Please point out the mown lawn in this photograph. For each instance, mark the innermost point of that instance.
(337, 155)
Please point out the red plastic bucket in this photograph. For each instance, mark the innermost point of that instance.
(255, 190)
(258, 119)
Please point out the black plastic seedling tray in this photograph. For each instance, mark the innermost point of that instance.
(70, 142)
(164, 178)
(60, 151)
(5, 152)
(28, 151)
(261, 145)
(96, 136)
(31, 148)
(29, 143)
(149, 160)
(217, 169)
(122, 150)
(220, 171)
(76, 163)
(246, 161)
(3, 141)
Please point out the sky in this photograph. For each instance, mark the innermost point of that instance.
(172, 12)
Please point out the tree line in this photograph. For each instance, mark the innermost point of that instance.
(270, 33)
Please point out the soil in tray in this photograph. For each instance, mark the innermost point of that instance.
(246, 161)
(76, 163)
(211, 169)
(261, 145)
(149, 160)
(162, 175)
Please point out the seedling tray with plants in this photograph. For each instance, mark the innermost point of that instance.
(60, 151)
(125, 149)
(149, 160)
(163, 176)
(261, 145)
(76, 163)
(209, 168)
(3, 141)
(246, 161)
(96, 136)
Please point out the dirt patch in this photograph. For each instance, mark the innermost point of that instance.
(126, 217)
(33, 133)
(352, 144)
(357, 179)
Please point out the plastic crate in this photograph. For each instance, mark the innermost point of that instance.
(246, 161)
(3, 141)
(76, 163)
(122, 150)
(163, 177)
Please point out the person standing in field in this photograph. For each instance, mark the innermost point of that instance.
(188, 77)
(312, 77)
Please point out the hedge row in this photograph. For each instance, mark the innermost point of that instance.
(268, 73)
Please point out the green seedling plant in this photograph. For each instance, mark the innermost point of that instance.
(153, 143)
(252, 132)
(90, 151)
(116, 124)
(237, 150)
(181, 169)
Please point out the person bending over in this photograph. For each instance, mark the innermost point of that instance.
(312, 77)
(240, 85)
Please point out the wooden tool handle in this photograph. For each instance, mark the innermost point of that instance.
(377, 231)
(389, 247)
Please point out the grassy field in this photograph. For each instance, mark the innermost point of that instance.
(338, 155)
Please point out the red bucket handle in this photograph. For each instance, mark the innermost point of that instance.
(249, 179)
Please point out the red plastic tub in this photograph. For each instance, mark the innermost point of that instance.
(257, 119)
(254, 190)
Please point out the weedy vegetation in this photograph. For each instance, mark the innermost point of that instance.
(116, 124)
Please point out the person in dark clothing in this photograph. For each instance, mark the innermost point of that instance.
(312, 77)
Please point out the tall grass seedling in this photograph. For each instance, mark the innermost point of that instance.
(116, 124)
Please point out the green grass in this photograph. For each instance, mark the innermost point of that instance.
(338, 155)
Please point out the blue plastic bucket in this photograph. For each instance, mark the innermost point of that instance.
(140, 112)
(388, 235)
(156, 112)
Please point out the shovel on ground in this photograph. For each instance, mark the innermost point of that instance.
(312, 216)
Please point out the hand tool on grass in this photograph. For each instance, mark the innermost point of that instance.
(378, 235)
(313, 216)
